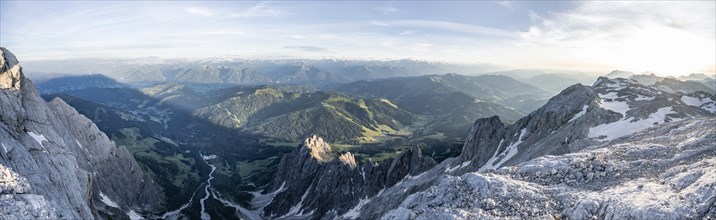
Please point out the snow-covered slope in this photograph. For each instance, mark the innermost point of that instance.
(665, 172)
(580, 116)
(56, 164)
(582, 120)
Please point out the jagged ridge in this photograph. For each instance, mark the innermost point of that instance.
(317, 183)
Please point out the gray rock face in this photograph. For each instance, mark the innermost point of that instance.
(55, 163)
(316, 183)
(665, 172)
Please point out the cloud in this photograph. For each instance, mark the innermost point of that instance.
(665, 37)
(388, 9)
(448, 26)
(199, 11)
(506, 4)
(380, 23)
(307, 48)
(259, 10)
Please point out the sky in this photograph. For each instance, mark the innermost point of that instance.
(669, 38)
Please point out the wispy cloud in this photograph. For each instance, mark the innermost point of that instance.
(506, 4)
(199, 11)
(387, 9)
(259, 10)
(448, 26)
(407, 32)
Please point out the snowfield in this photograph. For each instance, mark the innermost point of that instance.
(628, 126)
(703, 102)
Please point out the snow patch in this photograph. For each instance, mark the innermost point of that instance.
(615, 84)
(38, 137)
(450, 169)
(703, 102)
(354, 212)
(579, 114)
(510, 151)
(133, 215)
(493, 158)
(78, 144)
(611, 95)
(209, 157)
(107, 201)
(297, 208)
(644, 98)
(615, 106)
(380, 192)
(281, 188)
(625, 126)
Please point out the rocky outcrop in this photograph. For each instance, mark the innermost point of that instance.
(56, 164)
(313, 182)
(665, 172)
(490, 141)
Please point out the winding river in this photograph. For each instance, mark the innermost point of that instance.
(259, 201)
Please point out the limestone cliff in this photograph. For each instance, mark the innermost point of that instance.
(56, 163)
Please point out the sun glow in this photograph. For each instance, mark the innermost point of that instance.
(666, 51)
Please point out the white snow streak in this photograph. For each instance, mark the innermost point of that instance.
(299, 206)
(107, 201)
(580, 113)
(510, 151)
(133, 215)
(450, 169)
(355, 211)
(38, 137)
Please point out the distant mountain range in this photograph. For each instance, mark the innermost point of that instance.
(247, 72)
(687, 84)
(414, 91)
(367, 109)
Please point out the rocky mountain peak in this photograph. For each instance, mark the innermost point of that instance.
(578, 117)
(348, 159)
(319, 149)
(313, 182)
(10, 70)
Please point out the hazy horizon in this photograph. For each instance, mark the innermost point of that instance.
(667, 38)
